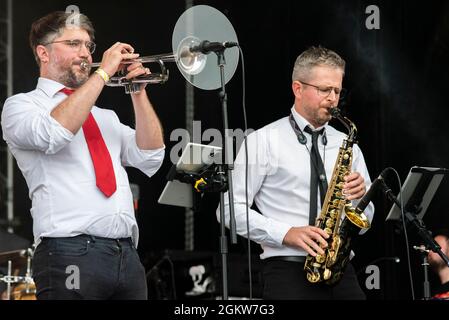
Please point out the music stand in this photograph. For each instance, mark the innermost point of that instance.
(195, 159)
(417, 192)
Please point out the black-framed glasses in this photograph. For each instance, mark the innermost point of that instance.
(326, 91)
(76, 44)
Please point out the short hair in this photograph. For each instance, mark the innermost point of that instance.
(313, 57)
(49, 27)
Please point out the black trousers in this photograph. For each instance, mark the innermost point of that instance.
(286, 280)
(87, 267)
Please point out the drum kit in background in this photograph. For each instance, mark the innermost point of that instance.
(18, 287)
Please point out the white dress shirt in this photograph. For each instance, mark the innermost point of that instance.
(279, 182)
(59, 172)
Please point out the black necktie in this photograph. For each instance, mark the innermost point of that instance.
(317, 175)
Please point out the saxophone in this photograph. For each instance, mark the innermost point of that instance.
(329, 268)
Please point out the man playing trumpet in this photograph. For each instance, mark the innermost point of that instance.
(72, 155)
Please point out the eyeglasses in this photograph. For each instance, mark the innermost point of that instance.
(326, 91)
(76, 44)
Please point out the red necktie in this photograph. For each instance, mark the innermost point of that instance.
(101, 159)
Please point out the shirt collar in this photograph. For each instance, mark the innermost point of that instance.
(49, 87)
(302, 122)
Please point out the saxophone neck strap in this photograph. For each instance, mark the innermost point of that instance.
(318, 167)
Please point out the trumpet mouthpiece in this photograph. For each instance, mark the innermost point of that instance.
(84, 65)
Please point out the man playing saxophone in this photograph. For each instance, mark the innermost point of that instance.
(72, 155)
(290, 164)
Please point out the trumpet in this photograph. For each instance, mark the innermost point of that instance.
(188, 62)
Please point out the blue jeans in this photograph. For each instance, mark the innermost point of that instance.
(88, 267)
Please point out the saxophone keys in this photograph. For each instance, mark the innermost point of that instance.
(331, 259)
(336, 244)
(329, 223)
(319, 259)
(327, 274)
(328, 231)
(313, 277)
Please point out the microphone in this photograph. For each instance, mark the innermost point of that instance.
(378, 182)
(207, 47)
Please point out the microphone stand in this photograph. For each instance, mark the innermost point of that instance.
(426, 236)
(425, 263)
(225, 170)
(418, 224)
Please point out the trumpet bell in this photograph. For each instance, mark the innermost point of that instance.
(191, 63)
(204, 23)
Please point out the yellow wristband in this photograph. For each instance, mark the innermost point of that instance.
(103, 75)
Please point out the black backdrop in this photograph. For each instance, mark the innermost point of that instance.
(398, 78)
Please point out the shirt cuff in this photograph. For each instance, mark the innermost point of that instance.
(278, 230)
(153, 151)
(147, 161)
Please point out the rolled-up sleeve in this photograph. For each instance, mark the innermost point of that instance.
(147, 161)
(27, 126)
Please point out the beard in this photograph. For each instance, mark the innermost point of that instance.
(318, 117)
(73, 78)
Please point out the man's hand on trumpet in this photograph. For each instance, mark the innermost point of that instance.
(113, 57)
(137, 69)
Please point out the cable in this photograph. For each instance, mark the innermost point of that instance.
(154, 268)
(245, 127)
(172, 269)
(405, 232)
(380, 259)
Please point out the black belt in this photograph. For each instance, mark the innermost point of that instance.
(300, 259)
(92, 238)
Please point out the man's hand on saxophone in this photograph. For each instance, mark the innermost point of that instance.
(354, 187)
(309, 238)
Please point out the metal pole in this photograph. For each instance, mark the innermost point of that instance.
(426, 277)
(8, 283)
(9, 92)
(189, 220)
